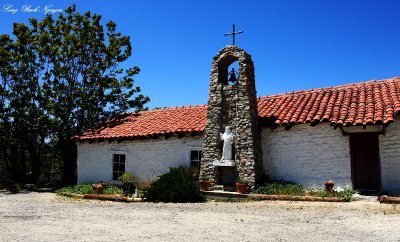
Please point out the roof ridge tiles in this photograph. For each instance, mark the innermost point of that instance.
(330, 87)
(167, 108)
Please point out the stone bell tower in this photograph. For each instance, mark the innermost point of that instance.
(235, 105)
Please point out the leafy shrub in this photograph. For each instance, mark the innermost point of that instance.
(127, 177)
(346, 194)
(178, 185)
(280, 188)
(82, 188)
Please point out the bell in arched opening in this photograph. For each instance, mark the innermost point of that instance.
(232, 76)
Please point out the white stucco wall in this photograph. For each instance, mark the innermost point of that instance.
(389, 150)
(307, 155)
(145, 159)
(304, 154)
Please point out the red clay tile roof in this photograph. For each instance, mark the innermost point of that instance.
(372, 102)
(152, 123)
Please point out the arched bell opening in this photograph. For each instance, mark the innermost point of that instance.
(228, 69)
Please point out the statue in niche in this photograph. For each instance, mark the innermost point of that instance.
(227, 137)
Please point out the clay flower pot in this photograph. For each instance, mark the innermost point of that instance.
(241, 188)
(98, 188)
(329, 186)
(205, 185)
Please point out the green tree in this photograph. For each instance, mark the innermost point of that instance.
(5, 121)
(71, 81)
(21, 128)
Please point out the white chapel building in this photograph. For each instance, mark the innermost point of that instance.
(349, 134)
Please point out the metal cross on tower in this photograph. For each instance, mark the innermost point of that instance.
(233, 34)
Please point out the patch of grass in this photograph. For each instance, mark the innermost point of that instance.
(292, 189)
(110, 190)
(82, 188)
(280, 188)
(229, 200)
(85, 188)
(346, 194)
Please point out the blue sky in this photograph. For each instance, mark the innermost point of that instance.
(295, 45)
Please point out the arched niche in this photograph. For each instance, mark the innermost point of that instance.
(225, 66)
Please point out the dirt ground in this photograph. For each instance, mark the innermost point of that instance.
(36, 216)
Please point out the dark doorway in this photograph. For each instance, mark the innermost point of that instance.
(365, 165)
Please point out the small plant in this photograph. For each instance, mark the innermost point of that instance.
(178, 185)
(129, 185)
(243, 181)
(346, 194)
(127, 177)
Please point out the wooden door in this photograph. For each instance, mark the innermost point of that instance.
(364, 148)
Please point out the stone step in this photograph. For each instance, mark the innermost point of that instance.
(224, 195)
(223, 188)
(217, 188)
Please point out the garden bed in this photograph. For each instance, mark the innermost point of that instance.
(258, 197)
(116, 198)
(233, 196)
(109, 192)
(296, 192)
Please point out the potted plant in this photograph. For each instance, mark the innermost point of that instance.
(205, 183)
(329, 186)
(129, 183)
(241, 186)
(98, 188)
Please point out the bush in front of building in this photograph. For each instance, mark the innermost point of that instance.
(178, 185)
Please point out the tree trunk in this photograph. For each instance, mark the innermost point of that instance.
(23, 162)
(35, 164)
(69, 156)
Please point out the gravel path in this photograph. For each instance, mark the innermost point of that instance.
(48, 217)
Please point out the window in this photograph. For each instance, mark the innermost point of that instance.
(195, 157)
(118, 165)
